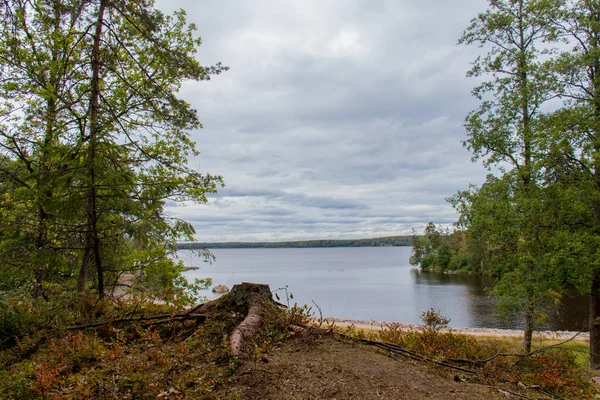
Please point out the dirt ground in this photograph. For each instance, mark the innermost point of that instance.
(319, 366)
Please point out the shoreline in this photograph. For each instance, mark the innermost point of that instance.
(494, 332)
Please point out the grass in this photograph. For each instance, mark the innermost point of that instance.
(43, 360)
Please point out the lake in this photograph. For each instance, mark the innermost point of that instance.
(369, 283)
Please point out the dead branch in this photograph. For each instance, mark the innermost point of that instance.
(200, 318)
(399, 350)
(166, 317)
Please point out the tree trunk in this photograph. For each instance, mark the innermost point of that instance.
(595, 321)
(92, 244)
(528, 328)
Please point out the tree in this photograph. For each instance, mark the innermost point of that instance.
(574, 154)
(439, 250)
(505, 130)
(528, 276)
(40, 60)
(96, 125)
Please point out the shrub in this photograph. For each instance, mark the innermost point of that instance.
(554, 370)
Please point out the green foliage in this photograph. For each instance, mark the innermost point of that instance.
(439, 250)
(510, 217)
(95, 141)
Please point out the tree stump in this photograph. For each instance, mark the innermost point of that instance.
(254, 296)
(247, 299)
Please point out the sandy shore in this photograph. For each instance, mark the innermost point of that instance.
(377, 325)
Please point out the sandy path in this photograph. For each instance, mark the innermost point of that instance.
(378, 325)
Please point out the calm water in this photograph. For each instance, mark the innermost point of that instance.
(368, 283)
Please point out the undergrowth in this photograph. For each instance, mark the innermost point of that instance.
(41, 359)
(554, 371)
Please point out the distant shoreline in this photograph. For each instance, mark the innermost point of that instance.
(388, 241)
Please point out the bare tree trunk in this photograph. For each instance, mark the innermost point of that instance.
(84, 269)
(528, 328)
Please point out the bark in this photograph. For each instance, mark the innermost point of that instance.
(255, 295)
(247, 329)
(528, 329)
(594, 74)
(595, 321)
(92, 242)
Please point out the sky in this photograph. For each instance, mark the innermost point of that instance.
(337, 119)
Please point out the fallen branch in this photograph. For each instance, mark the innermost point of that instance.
(166, 317)
(200, 318)
(399, 350)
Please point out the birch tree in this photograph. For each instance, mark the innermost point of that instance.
(504, 131)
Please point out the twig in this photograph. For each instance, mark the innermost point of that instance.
(546, 392)
(554, 345)
(320, 313)
(280, 304)
(505, 391)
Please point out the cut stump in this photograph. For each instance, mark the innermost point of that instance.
(247, 299)
(254, 296)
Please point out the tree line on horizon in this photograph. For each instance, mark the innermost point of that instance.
(388, 241)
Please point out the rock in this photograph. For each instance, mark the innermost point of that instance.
(220, 289)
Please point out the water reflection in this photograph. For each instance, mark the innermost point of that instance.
(570, 315)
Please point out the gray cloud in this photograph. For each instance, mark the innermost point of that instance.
(338, 119)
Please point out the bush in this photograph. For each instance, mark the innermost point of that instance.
(460, 262)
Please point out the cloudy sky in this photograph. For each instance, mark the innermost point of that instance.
(337, 119)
